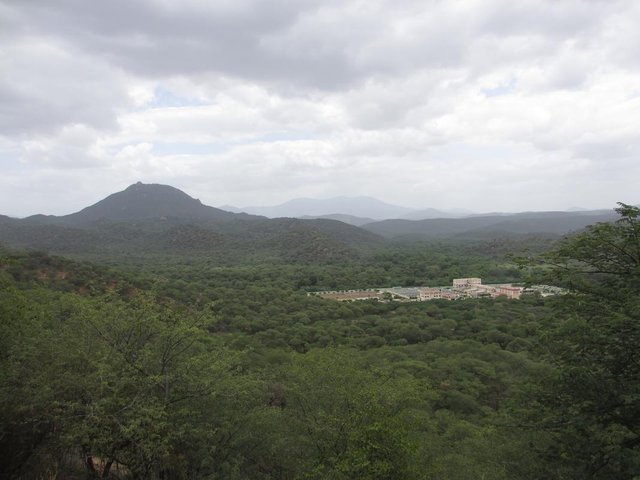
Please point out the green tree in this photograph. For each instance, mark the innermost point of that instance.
(101, 383)
(344, 419)
(592, 404)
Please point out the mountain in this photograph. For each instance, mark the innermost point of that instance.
(429, 213)
(160, 219)
(139, 202)
(347, 234)
(350, 219)
(354, 206)
(353, 210)
(556, 223)
(230, 208)
(309, 240)
(430, 228)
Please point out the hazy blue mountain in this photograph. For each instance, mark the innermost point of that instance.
(353, 210)
(549, 214)
(350, 219)
(557, 223)
(367, 207)
(40, 219)
(429, 213)
(462, 212)
(230, 208)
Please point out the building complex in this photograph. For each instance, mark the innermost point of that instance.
(461, 288)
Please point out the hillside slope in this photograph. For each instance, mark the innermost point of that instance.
(557, 223)
(144, 201)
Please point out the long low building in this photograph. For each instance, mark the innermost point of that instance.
(348, 295)
(461, 288)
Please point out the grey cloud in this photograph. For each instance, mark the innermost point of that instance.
(379, 86)
(157, 39)
(560, 19)
(316, 44)
(44, 87)
(292, 47)
(21, 113)
(608, 151)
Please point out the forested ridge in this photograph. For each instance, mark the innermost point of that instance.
(184, 366)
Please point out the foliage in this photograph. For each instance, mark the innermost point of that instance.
(215, 365)
(592, 404)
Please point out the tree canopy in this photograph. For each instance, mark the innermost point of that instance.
(592, 404)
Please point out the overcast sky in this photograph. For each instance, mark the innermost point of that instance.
(486, 105)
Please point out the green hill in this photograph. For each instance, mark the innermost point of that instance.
(159, 219)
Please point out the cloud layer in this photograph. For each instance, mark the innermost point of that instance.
(488, 105)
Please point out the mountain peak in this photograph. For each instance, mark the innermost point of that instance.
(149, 187)
(157, 189)
(141, 201)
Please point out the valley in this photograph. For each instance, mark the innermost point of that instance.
(160, 338)
(319, 240)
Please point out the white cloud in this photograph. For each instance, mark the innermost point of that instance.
(493, 103)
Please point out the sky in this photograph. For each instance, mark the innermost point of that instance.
(486, 105)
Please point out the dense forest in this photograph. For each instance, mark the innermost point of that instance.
(162, 365)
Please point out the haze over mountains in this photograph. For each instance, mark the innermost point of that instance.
(362, 208)
(148, 218)
(361, 211)
(489, 226)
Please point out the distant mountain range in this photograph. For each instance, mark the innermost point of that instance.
(492, 225)
(354, 206)
(151, 218)
(341, 217)
(393, 221)
(353, 210)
